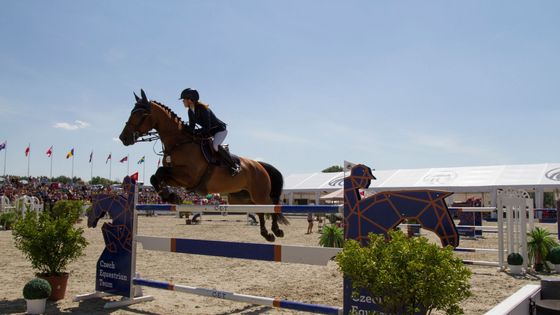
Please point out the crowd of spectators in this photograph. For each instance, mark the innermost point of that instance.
(50, 192)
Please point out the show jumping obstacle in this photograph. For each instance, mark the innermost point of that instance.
(379, 213)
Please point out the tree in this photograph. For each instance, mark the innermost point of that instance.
(406, 275)
(97, 180)
(333, 169)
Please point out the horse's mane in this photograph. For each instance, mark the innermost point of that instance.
(180, 123)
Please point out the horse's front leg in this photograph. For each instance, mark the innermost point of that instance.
(158, 181)
(264, 232)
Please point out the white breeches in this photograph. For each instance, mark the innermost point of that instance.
(219, 137)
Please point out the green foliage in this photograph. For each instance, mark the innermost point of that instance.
(66, 180)
(406, 275)
(333, 169)
(7, 219)
(539, 245)
(554, 255)
(49, 242)
(331, 236)
(101, 181)
(71, 209)
(515, 259)
(36, 289)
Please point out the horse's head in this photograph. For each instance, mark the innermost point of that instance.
(98, 210)
(362, 175)
(140, 121)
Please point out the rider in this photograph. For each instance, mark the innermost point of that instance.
(210, 126)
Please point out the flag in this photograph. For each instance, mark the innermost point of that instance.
(142, 160)
(49, 151)
(108, 158)
(27, 150)
(134, 176)
(2, 146)
(90, 156)
(70, 154)
(158, 162)
(124, 159)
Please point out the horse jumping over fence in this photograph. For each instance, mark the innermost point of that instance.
(186, 163)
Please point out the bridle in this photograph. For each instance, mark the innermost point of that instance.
(146, 137)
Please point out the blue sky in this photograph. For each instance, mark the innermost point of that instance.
(302, 84)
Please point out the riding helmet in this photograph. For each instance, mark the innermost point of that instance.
(189, 94)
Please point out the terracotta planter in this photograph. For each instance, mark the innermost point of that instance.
(36, 306)
(58, 285)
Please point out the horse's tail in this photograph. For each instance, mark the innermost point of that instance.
(276, 186)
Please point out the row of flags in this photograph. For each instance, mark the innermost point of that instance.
(71, 154)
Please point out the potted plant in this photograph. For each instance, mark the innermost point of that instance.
(554, 258)
(51, 242)
(515, 262)
(36, 291)
(539, 245)
(331, 236)
(395, 274)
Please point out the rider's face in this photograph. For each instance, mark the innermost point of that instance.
(187, 103)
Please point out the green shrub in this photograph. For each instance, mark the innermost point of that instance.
(36, 288)
(49, 242)
(8, 219)
(331, 236)
(515, 259)
(71, 209)
(406, 275)
(554, 255)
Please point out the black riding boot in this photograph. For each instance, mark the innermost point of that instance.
(234, 167)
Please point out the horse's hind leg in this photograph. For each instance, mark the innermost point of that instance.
(274, 227)
(264, 232)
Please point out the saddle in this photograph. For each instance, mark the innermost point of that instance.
(213, 157)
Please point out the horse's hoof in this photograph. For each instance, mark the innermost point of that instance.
(278, 233)
(269, 237)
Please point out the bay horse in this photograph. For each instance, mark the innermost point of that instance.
(186, 164)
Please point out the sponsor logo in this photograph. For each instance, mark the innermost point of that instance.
(553, 174)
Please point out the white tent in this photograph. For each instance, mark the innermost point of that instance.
(531, 177)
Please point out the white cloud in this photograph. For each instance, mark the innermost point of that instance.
(78, 124)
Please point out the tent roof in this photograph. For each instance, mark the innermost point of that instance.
(479, 178)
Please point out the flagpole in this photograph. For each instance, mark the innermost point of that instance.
(144, 172)
(28, 159)
(110, 163)
(5, 154)
(51, 162)
(127, 165)
(72, 178)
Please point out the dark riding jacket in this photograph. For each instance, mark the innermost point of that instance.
(203, 116)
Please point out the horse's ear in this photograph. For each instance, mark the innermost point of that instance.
(136, 97)
(144, 98)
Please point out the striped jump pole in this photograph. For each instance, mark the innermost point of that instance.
(224, 295)
(286, 209)
(266, 252)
